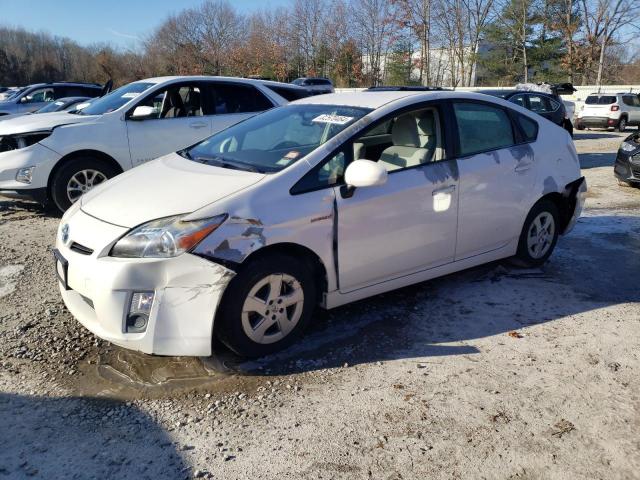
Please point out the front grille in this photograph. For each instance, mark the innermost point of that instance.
(635, 159)
(635, 171)
(81, 249)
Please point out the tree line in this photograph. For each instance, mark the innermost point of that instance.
(357, 43)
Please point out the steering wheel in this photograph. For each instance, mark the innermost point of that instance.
(286, 144)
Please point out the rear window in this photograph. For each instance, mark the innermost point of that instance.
(603, 100)
(289, 94)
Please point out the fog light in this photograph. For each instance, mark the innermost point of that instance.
(25, 175)
(139, 310)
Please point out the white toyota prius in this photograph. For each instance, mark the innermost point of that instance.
(325, 201)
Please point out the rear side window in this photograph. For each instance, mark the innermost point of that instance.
(230, 98)
(481, 128)
(528, 127)
(540, 104)
(631, 100)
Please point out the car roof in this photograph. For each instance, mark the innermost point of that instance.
(249, 81)
(376, 100)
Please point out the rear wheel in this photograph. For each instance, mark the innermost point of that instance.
(77, 177)
(622, 125)
(539, 235)
(266, 306)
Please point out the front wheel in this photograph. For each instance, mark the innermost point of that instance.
(539, 235)
(266, 306)
(77, 177)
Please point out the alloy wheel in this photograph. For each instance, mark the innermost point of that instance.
(540, 235)
(272, 308)
(83, 181)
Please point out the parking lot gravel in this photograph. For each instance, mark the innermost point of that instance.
(495, 372)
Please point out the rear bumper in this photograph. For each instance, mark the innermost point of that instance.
(578, 193)
(597, 122)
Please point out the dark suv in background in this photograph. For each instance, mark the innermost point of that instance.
(36, 96)
(546, 105)
(315, 85)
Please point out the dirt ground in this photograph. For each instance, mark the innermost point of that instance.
(494, 372)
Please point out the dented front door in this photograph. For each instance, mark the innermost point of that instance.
(404, 226)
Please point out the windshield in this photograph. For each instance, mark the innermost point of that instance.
(115, 99)
(15, 93)
(604, 100)
(273, 140)
(51, 107)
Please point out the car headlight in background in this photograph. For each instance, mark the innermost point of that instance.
(22, 140)
(165, 237)
(628, 147)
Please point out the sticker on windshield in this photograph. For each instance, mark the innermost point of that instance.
(130, 95)
(336, 119)
(292, 155)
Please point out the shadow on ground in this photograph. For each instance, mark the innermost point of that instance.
(594, 160)
(55, 438)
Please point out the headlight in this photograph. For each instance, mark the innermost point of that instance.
(628, 147)
(22, 140)
(165, 237)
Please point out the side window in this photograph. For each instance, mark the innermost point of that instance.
(481, 128)
(326, 174)
(528, 127)
(540, 104)
(228, 98)
(174, 102)
(408, 140)
(518, 100)
(39, 96)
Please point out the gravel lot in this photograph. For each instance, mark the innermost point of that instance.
(494, 372)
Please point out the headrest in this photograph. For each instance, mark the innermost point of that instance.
(175, 100)
(426, 123)
(405, 132)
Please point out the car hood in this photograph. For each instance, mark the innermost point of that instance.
(41, 121)
(170, 185)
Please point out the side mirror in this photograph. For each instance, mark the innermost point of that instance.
(142, 112)
(24, 100)
(365, 173)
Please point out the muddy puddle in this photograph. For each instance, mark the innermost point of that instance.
(126, 374)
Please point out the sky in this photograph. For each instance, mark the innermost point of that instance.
(118, 22)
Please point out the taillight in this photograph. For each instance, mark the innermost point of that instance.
(615, 108)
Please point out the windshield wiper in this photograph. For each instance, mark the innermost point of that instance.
(223, 162)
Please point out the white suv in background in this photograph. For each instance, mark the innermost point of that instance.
(55, 158)
(610, 110)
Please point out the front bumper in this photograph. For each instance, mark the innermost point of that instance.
(627, 167)
(36, 155)
(187, 291)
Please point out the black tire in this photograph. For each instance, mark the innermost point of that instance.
(622, 124)
(579, 126)
(523, 257)
(228, 324)
(568, 126)
(59, 198)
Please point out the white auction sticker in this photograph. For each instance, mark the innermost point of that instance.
(130, 95)
(337, 119)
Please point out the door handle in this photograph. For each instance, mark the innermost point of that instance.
(449, 189)
(198, 125)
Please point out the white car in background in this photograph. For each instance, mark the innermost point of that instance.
(610, 110)
(324, 201)
(55, 158)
